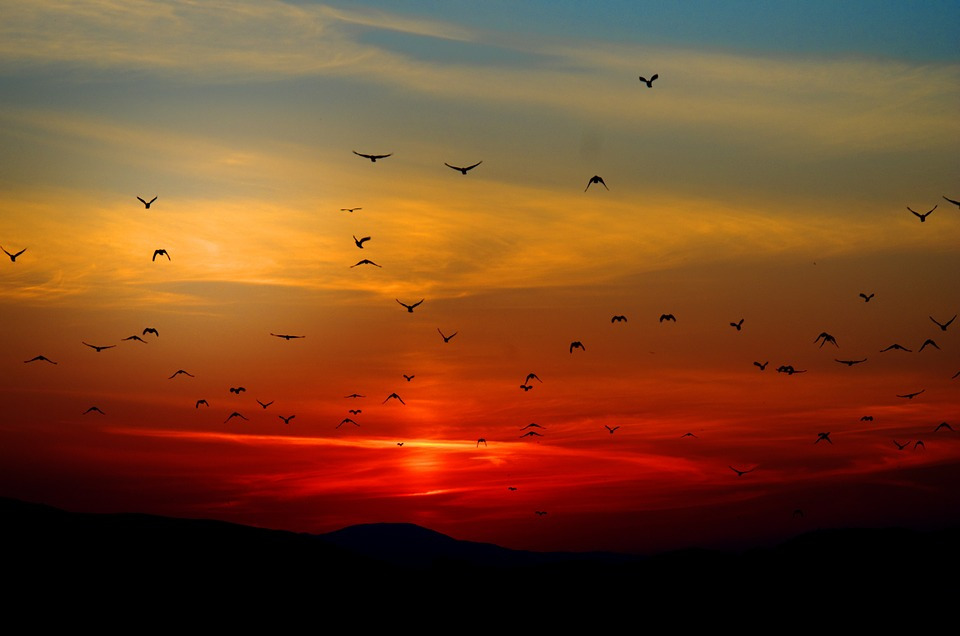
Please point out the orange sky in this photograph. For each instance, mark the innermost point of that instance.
(749, 182)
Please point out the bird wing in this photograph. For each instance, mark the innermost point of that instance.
(957, 203)
(142, 201)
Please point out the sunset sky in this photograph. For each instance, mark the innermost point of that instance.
(766, 176)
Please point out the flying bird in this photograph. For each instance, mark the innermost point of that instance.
(866, 298)
(826, 338)
(922, 217)
(408, 377)
(355, 411)
(741, 473)
(463, 170)
(399, 443)
(928, 341)
(94, 409)
(943, 326)
(866, 418)
(899, 445)
(237, 389)
(956, 203)
(824, 437)
(285, 336)
(137, 338)
(688, 435)
(539, 513)
(918, 444)
(286, 420)
(372, 158)
(763, 366)
(649, 82)
(910, 396)
(531, 434)
(355, 395)
(367, 261)
(532, 376)
(611, 430)
(199, 402)
(446, 338)
(233, 415)
(619, 319)
(146, 204)
(410, 307)
(511, 487)
(943, 425)
(13, 257)
(350, 209)
(526, 387)
(595, 179)
(360, 241)
(99, 349)
(667, 317)
(160, 252)
(576, 344)
(346, 420)
(179, 372)
(896, 346)
(849, 363)
(394, 396)
(482, 439)
(39, 358)
(737, 325)
(533, 425)
(789, 370)
(151, 330)
(265, 405)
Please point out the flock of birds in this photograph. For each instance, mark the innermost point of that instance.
(532, 430)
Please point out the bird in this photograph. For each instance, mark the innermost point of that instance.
(922, 217)
(763, 366)
(372, 158)
(956, 203)
(355, 411)
(446, 338)
(928, 341)
(667, 317)
(824, 437)
(399, 443)
(39, 358)
(910, 396)
(286, 420)
(463, 170)
(346, 420)
(899, 445)
(896, 346)
(204, 402)
(737, 325)
(482, 439)
(649, 82)
(849, 363)
(160, 252)
(789, 370)
(237, 389)
(511, 487)
(285, 336)
(101, 348)
(619, 319)
(13, 257)
(265, 405)
(595, 179)
(611, 430)
(410, 308)
(533, 425)
(826, 338)
(146, 204)
(919, 443)
(955, 375)
(408, 377)
(943, 425)
(350, 209)
(233, 415)
(576, 344)
(394, 396)
(943, 326)
(366, 261)
(539, 513)
(533, 376)
(360, 241)
(688, 435)
(355, 395)
(181, 371)
(526, 387)
(137, 338)
(151, 330)
(866, 298)
(531, 434)
(866, 418)
(94, 409)
(741, 473)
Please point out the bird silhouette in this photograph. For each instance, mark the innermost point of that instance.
(408, 377)
(94, 409)
(619, 319)
(233, 415)
(667, 317)
(39, 359)
(160, 252)
(350, 209)
(463, 170)
(826, 338)
(789, 370)
(511, 487)
(849, 363)
(526, 387)
(101, 348)
(146, 204)
(137, 338)
(763, 366)
(482, 439)
(823, 437)
(943, 326)
(410, 308)
(866, 418)
(866, 298)
(395, 397)
(237, 389)
(595, 179)
(347, 420)
(204, 402)
(737, 325)
(360, 241)
(533, 425)
(943, 425)
(922, 217)
(688, 435)
(286, 420)
(355, 411)
(741, 473)
(899, 445)
(367, 261)
(896, 346)
(446, 338)
(372, 158)
(910, 396)
(265, 405)
(355, 395)
(399, 443)
(539, 513)
(610, 429)
(533, 376)
(919, 444)
(956, 203)
(285, 336)
(13, 257)
(181, 371)
(151, 330)
(928, 341)
(531, 434)
(576, 344)
(649, 82)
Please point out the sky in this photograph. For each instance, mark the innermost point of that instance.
(766, 175)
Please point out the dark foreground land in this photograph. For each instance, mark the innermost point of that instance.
(58, 561)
